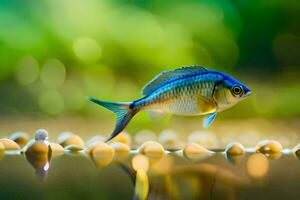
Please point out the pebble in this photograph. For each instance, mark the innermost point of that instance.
(170, 140)
(151, 149)
(56, 148)
(9, 144)
(41, 135)
(269, 147)
(235, 148)
(140, 162)
(39, 145)
(21, 138)
(68, 138)
(195, 151)
(203, 138)
(74, 148)
(101, 147)
(102, 154)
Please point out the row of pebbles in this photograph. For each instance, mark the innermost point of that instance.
(70, 142)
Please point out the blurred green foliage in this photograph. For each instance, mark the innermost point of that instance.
(55, 52)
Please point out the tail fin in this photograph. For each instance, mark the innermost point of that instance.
(123, 114)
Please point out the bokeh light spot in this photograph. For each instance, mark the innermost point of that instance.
(257, 165)
(27, 70)
(140, 162)
(53, 73)
(51, 102)
(87, 49)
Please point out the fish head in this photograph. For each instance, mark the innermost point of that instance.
(229, 92)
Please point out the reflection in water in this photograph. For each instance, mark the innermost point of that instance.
(2, 150)
(40, 162)
(141, 185)
(257, 165)
(167, 177)
(170, 181)
(205, 181)
(162, 165)
(122, 150)
(296, 152)
(38, 153)
(273, 156)
(233, 159)
(140, 164)
(235, 148)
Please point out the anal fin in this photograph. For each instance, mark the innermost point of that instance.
(208, 119)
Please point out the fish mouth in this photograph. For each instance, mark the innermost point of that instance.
(247, 93)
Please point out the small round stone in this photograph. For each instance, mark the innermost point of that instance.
(140, 162)
(68, 138)
(152, 149)
(100, 147)
(123, 137)
(56, 148)
(235, 148)
(37, 147)
(269, 147)
(41, 135)
(20, 138)
(102, 154)
(9, 144)
(194, 151)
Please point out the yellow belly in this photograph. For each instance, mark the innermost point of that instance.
(184, 105)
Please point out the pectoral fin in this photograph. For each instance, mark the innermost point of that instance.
(208, 119)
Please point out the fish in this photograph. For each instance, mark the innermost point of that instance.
(188, 91)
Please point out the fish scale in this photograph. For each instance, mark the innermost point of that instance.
(179, 97)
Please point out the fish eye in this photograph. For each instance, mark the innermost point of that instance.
(237, 90)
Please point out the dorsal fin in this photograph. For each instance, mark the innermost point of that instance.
(165, 75)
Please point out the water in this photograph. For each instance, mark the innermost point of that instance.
(76, 176)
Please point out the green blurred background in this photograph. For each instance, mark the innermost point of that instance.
(55, 52)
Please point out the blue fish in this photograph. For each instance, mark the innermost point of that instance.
(188, 91)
